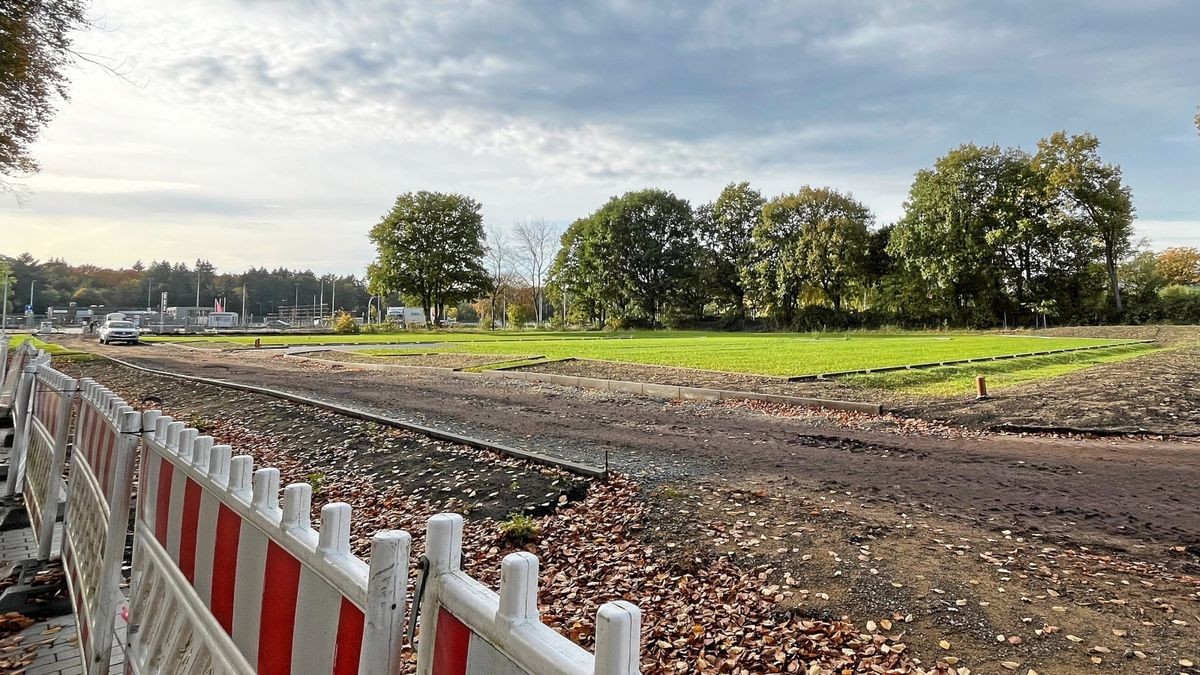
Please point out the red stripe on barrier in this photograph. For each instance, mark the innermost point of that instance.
(187, 537)
(278, 620)
(349, 639)
(162, 505)
(224, 566)
(450, 645)
(107, 452)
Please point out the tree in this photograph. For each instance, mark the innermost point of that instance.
(497, 259)
(1180, 266)
(1091, 193)
(579, 276)
(35, 51)
(817, 237)
(646, 240)
(834, 239)
(536, 241)
(727, 233)
(431, 245)
(943, 237)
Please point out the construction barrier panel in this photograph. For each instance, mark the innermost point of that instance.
(21, 401)
(227, 581)
(466, 629)
(49, 422)
(107, 432)
(12, 370)
(4, 363)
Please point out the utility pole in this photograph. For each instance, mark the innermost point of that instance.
(197, 285)
(321, 307)
(243, 304)
(333, 300)
(295, 302)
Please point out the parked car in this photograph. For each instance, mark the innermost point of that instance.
(118, 331)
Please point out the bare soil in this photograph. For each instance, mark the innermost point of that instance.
(1063, 554)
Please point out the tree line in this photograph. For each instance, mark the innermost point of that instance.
(990, 236)
(56, 283)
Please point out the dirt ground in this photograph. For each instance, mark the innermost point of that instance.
(994, 552)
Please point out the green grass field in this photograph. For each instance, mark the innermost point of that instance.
(15, 341)
(957, 380)
(776, 354)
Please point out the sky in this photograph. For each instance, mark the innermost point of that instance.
(277, 132)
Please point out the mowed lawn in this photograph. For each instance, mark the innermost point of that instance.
(769, 354)
(15, 341)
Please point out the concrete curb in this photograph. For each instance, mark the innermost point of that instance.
(449, 436)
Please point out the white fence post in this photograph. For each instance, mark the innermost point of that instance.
(618, 638)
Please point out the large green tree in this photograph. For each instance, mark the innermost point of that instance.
(943, 237)
(35, 53)
(645, 241)
(815, 237)
(1090, 194)
(726, 229)
(431, 246)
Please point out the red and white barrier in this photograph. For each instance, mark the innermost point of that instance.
(22, 373)
(466, 629)
(224, 579)
(11, 372)
(49, 421)
(107, 432)
(4, 391)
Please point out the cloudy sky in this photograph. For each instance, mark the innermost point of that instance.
(276, 132)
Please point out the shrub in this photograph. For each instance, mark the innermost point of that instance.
(345, 324)
(1180, 304)
(520, 529)
(616, 323)
(519, 315)
(382, 328)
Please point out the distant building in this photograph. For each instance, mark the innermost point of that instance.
(187, 316)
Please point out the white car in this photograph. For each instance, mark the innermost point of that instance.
(118, 331)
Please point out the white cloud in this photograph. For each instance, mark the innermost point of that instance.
(276, 132)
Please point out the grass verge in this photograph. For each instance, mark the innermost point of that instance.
(15, 341)
(958, 380)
